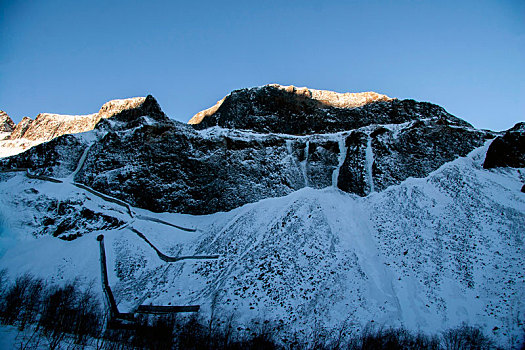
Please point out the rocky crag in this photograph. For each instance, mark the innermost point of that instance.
(48, 126)
(257, 143)
(6, 123)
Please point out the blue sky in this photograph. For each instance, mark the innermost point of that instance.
(72, 56)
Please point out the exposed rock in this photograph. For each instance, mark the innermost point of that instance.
(288, 110)
(47, 126)
(154, 163)
(109, 109)
(6, 124)
(335, 99)
(419, 149)
(507, 150)
(69, 220)
(127, 113)
(57, 157)
(21, 128)
(219, 170)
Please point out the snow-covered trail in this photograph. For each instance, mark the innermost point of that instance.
(167, 258)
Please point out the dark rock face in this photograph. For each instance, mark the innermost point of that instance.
(130, 117)
(353, 173)
(386, 157)
(269, 109)
(419, 149)
(507, 150)
(69, 220)
(169, 167)
(146, 159)
(57, 157)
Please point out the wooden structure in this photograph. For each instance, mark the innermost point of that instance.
(118, 319)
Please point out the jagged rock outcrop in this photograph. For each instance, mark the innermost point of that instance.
(127, 113)
(58, 157)
(301, 111)
(507, 150)
(6, 123)
(21, 128)
(152, 162)
(48, 126)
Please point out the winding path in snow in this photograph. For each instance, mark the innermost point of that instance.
(167, 258)
(115, 316)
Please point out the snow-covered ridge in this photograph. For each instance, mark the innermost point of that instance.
(47, 126)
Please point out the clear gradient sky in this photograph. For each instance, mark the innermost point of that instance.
(70, 57)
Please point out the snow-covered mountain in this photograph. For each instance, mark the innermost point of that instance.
(382, 210)
(27, 133)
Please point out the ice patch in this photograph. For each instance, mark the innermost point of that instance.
(369, 164)
(81, 162)
(342, 155)
(304, 163)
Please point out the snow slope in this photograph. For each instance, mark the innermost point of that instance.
(428, 254)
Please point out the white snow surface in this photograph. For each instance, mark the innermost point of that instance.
(342, 154)
(427, 254)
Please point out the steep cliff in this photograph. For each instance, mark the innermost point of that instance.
(300, 111)
(152, 162)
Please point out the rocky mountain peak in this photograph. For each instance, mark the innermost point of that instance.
(301, 111)
(322, 98)
(128, 110)
(113, 107)
(21, 128)
(6, 124)
(48, 126)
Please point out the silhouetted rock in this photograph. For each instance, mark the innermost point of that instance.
(507, 150)
(142, 157)
(277, 109)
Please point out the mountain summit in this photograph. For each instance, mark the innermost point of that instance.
(300, 111)
(47, 126)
